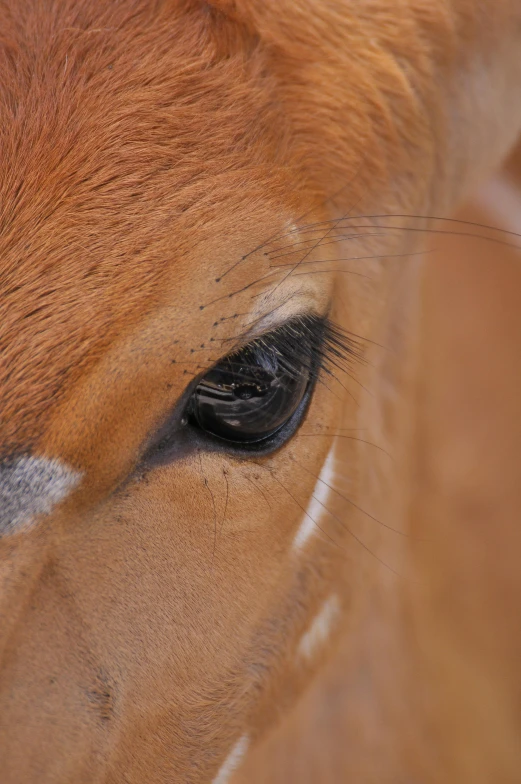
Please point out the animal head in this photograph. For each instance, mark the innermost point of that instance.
(207, 224)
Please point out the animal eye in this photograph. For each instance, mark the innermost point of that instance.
(251, 394)
(256, 397)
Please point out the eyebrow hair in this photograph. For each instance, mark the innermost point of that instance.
(31, 486)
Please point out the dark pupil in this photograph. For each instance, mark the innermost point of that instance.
(249, 396)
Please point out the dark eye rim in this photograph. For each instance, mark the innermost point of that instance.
(186, 438)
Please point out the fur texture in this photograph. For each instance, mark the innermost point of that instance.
(175, 174)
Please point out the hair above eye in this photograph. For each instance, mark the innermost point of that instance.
(250, 395)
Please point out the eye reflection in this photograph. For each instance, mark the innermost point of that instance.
(249, 396)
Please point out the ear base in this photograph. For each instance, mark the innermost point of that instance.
(241, 11)
(226, 7)
(243, 14)
(222, 5)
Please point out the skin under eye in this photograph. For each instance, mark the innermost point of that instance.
(249, 396)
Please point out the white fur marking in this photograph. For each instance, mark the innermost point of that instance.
(319, 629)
(232, 761)
(318, 500)
(31, 486)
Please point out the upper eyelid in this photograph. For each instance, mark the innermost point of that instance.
(248, 339)
(251, 333)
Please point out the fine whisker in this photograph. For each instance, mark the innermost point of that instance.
(320, 244)
(209, 489)
(348, 438)
(357, 539)
(350, 501)
(361, 258)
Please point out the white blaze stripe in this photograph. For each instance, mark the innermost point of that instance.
(320, 628)
(318, 501)
(232, 761)
(31, 486)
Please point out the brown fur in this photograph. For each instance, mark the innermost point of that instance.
(154, 618)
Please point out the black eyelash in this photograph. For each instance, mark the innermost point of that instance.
(311, 343)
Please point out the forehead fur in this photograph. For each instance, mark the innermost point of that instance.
(127, 133)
